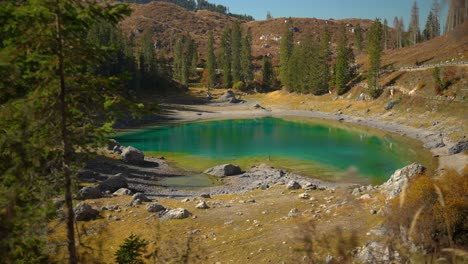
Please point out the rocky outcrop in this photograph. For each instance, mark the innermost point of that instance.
(391, 104)
(123, 191)
(458, 148)
(140, 196)
(228, 96)
(376, 252)
(155, 208)
(202, 205)
(133, 155)
(114, 183)
(394, 185)
(293, 185)
(224, 170)
(84, 212)
(178, 213)
(88, 193)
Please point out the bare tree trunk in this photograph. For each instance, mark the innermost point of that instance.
(66, 144)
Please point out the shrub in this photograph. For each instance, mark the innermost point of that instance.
(240, 86)
(131, 250)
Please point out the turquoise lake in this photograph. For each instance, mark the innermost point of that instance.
(330, 149)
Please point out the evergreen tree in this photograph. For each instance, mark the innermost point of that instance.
(225, 57)
(397, 28)
(414, 25)
(246, 57)
(343, 62)
(210, 62)
(269, 16)
(236, 47)
(323, 68)
(358, 37)
(310, 63)
(295, 73)
(286, 50)
(49, 112)
(131, 251)
(185, 58)
(267, 72)
(385, 32)
(374, 53)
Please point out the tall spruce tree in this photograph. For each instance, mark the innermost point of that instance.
(374, 53)
(236, 47)
(323, 65)
(286, 50)
(267, 72)
(210, 62)
(343, 62)
(246, 57)
(225, 56)
(185, 57)
(385, 33)
(358, 37)
(48, 113)
(414, 28)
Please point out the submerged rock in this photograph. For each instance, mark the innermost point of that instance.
(224, 170)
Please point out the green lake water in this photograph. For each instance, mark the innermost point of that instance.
(315, 148)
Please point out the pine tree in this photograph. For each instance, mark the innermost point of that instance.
(311, 63)
(185, 58)
(286, 49)
(358, 37)
(385, 32)
(269, 16)
(295, 73)
(323, 67)
(414, 25)
(246, 57)
(342, 63)
(267, 72)
(210, 62)
(374, 53)
(56, 93)
(236, 46)
(225, 57)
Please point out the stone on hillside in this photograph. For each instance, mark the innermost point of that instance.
(227, 97)
(202, 205)
(133, 155)
(123, 191)
(391, 104)
(140, 196)
(84, 212)
(376, 252)
(88, 193)
(458, 148)
(365, 197)
(309, 186)
(224, 170)
(114, 183)
(304, 196)
(112, 143)
(178, 213)
(155, 208)
(394, 185)
(293, 212)
(293, 185)
(435, 142)
(205, 195)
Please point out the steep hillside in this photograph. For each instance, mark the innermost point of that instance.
(165, 21)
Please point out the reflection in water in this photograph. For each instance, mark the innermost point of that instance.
(338, 148)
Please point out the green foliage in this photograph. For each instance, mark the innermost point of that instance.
(185, 58)
(225, 56)
(286, 50)
(343, 69)
(236, 46)
(131, 250)
(320, 84)
(210, 62)
(240, 85)
(246, 57)
(267, 73)
(374, 52)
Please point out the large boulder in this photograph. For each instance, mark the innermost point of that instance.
(84, 212)
(228, 96)
(123, 191)
(178, 213)
(391, 104)
(112, 143)
(140, 196)
(293, 185)
(133, 155)
(394, 185)
(458, 148)
(89, 193)
(155, 208)
(114, 183)
(376, 252)
(224, 170)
